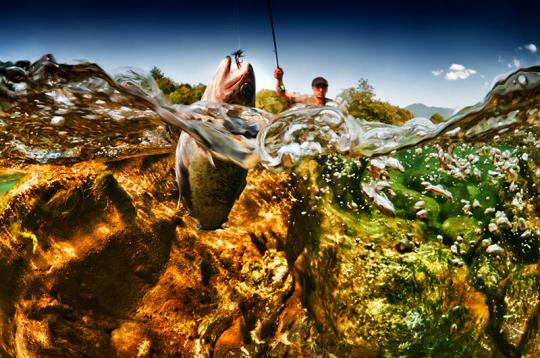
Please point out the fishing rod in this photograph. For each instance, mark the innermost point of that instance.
(281, 85)
(273, 30)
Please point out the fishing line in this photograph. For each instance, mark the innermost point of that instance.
(238, 23)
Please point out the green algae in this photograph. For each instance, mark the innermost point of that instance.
(372, 296)
(8, 179)
(464, 227)
(454, 293)
(405, 200)
(404, 305)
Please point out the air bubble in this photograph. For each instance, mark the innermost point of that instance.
(522, 79)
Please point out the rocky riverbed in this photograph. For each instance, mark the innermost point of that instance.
(98, 261)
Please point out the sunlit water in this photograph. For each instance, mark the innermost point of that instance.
(514, 102)
(54, 112)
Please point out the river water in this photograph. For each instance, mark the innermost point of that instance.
(53, 112)
(58, 112)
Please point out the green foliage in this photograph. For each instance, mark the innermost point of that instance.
(166, 85)
(186, 94)
(156, 73)
(437, 118)
(182, 93)
(361, 103)
(359, 95)
(269, 101)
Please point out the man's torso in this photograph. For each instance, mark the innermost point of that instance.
(300, 100)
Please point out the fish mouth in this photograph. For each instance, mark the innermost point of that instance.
(232, 83)
(237, 73)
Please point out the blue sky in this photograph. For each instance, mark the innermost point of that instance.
(398, 46)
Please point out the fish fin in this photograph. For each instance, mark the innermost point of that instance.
(210, 158)
(241, 187)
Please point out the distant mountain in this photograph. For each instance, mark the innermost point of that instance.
(421, 110)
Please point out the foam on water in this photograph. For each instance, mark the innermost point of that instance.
(513, 102)
(78, 112)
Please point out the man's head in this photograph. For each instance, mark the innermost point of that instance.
(319, 85)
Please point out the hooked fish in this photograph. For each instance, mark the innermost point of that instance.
(209, 186)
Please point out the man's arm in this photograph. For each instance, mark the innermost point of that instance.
(280, 87)
(291, 98)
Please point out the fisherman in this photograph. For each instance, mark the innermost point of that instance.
(319, 86)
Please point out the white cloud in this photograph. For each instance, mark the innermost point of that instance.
(437, 72)
(516, 63)
(459, 72)
(531, 47)
(457, 67)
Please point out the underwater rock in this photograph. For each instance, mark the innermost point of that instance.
(404, 245)
(494, 250)
(97, 261)
(521, 315)
(464, 227)
(368, 299)
(411, 204)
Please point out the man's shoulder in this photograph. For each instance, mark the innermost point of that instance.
(299, 98)
(302, 100)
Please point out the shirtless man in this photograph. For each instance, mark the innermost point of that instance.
(319, 85)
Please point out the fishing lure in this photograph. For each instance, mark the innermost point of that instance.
(238, 55)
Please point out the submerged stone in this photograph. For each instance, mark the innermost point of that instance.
(494, 250)
(463, 227)
(96, 260)
(372, 297)
(404, 246)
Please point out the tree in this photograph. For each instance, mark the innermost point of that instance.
(183, 93)
(156, 73)
(269, 101)
(437, 118)
(186, 94)
(198, 91)
(166, 85)
(361, 103)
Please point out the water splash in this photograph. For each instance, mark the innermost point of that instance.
(58, 112)
(53, 112)
(513, 102)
